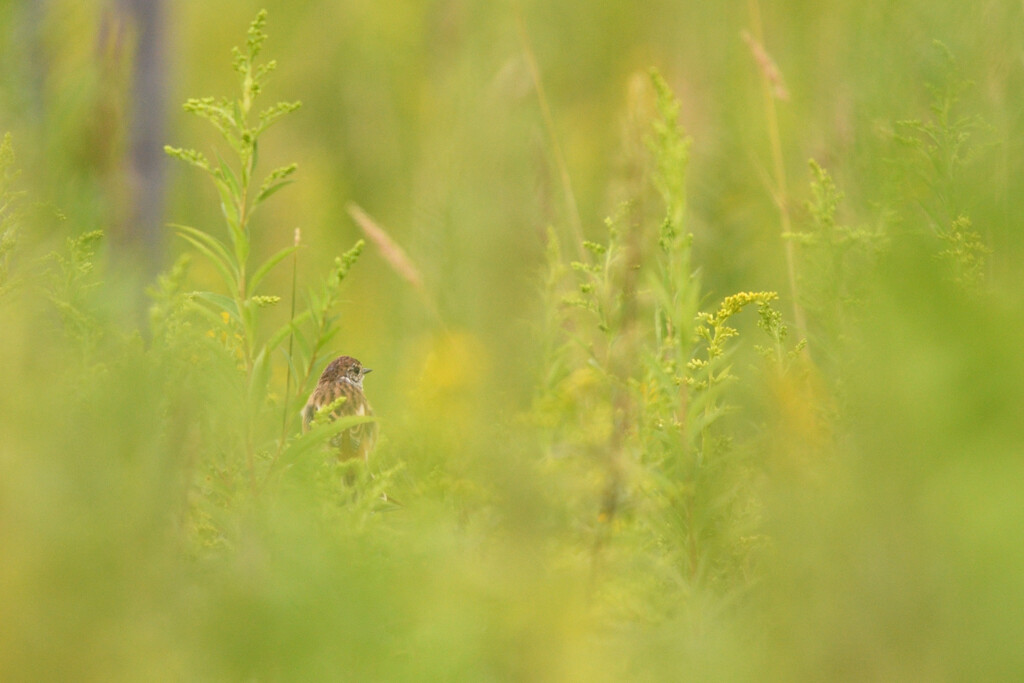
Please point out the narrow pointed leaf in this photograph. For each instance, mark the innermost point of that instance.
(296, 373)
(228, 206)
(272, 190)
(242, 247)
(239, 117)
(222, 302)
(228, 176)
(260, 377)
(281, 334)
(313, 300)
(264, 269)
(210, 241)
(300, 340)
(223, 267)
(322, 341)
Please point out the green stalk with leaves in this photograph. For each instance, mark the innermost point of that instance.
(643, 373)
(937, 152)
(234, 312)
(239, 197)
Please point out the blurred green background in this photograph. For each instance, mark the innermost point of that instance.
(886, 502)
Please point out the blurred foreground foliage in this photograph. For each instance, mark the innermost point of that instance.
(624, 460)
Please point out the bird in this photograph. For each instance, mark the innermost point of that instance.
(343, 378)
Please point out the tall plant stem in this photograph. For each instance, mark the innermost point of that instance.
(781, 189)
(291, 345)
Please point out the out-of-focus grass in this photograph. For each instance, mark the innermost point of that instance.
(878, 535)
(894, 560)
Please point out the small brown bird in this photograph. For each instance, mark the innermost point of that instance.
(343, 377)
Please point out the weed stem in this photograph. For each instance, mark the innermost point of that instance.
(779, 169)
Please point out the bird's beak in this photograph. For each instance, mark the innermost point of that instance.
(367, 370)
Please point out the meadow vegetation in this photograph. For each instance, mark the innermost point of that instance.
(761, 422)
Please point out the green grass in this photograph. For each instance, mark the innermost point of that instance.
(762, 422)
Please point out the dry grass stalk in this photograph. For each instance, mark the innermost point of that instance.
(769, 69)
(389, 249)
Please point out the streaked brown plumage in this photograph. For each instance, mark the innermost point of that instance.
(344, 377)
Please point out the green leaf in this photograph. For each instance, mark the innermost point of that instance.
(222, 302)
(275, 181)
(300, 340)
(314, 300)
(226, 174)
(280, 335)
(266, 193)
(264, 269)
(326, 337)
(228, 206)
(298, 368)
(239, 119)
(214, 250)
(242, 247)
(260, 377)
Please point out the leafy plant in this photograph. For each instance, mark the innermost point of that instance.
(233, 314)
(835, 262)
(239, 200)
(70, 280)
(936, 153)
(642, 372)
